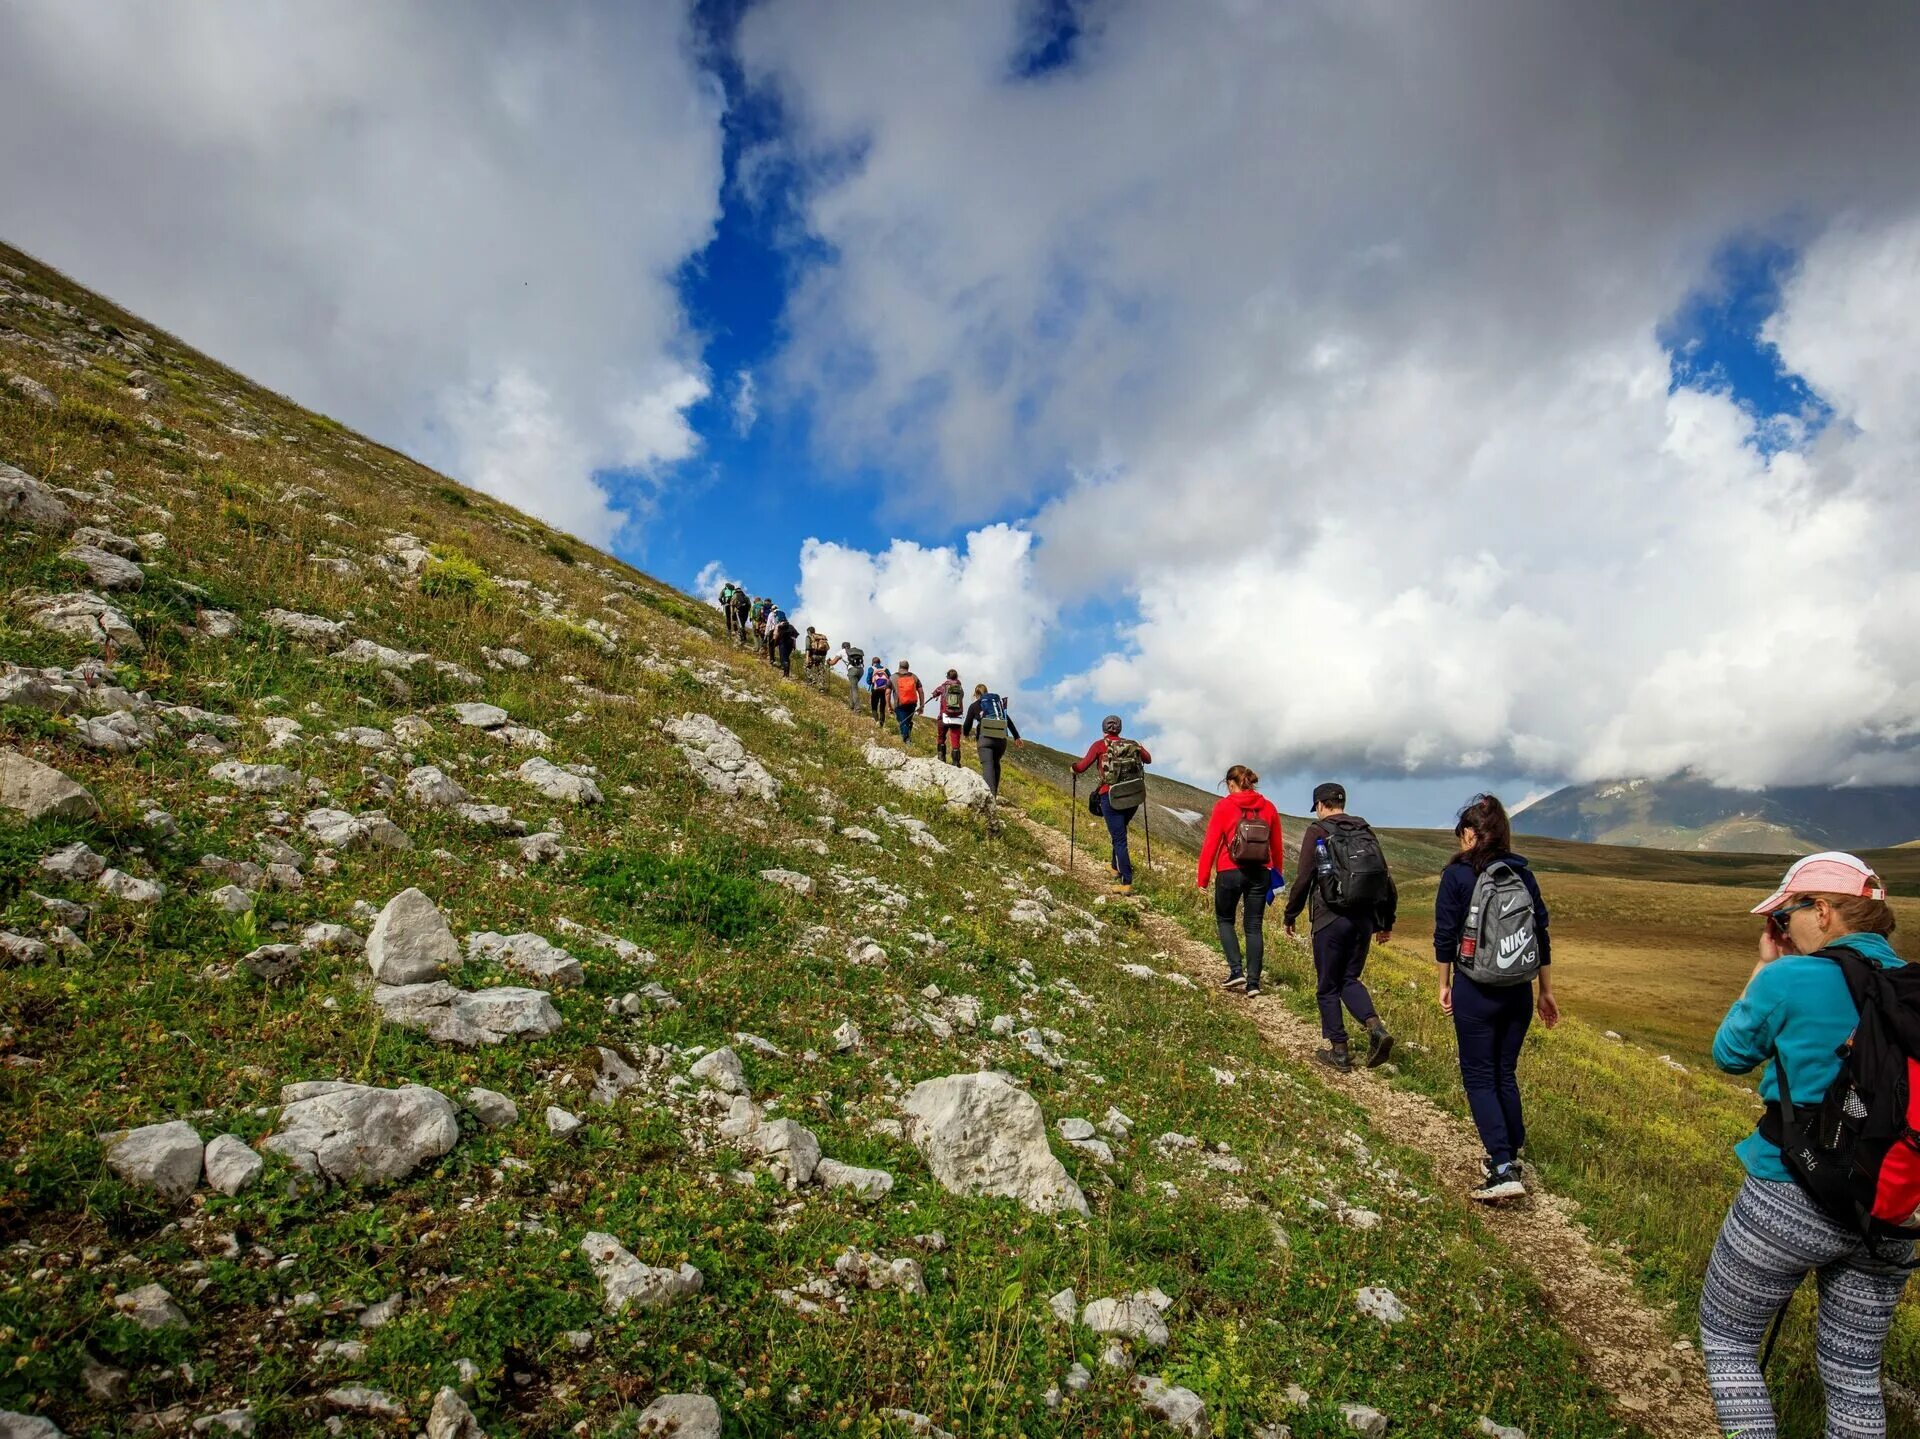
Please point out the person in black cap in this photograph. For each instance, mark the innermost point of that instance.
(1343, 882)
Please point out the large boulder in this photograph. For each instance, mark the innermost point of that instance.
(625, 1280)
(165, 1158)
(105, 570)
(959, 788)
(467, 1017)
(27, 503)
(40, 791)
(432, 786)
(561, 784)
(360, 1134)
(981, 1135)
(84, 617)
(718, 759)
(411, 941)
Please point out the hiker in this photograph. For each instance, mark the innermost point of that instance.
(1243, 837)
(1351, 901)
(1123, 789)
(738, 609)
(989, 725)
(757, 621)
(950, 700)
(725, 601)
(783, 637)
(1823, 949)
(816, 652)
(855, 659)
(905, 698)
(1490, 942)
(879, 691)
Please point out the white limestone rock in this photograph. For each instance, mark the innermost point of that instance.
(74, 862)
(719, 760)
(559, 784)
(411, 942)
(130, 889)
(151, 1307)
(39, 791)
(787, 879)
(961, 789)
(625, 1281)
(165, 1158)
(492, 1108)
(865, 1183)
(88, 618)
(681, 1416)
(529, 954)
(360, 1134)
(467, 1017)
(981, 1135)
(231, 1164)
(254, 778)
(1134, 1317)
(105, 571)
(1179, 1409)
(1379, 1303)
(721, 1069)
(25, 503)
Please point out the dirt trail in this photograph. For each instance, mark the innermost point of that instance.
(1629, 1346)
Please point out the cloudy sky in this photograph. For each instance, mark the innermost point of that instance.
(1516, 392)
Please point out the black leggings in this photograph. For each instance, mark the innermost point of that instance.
(1231, 889)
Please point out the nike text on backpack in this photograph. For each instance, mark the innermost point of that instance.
(953, 699)
(1500, 944)
(1251, 842)
(1124, 773)
(993, 718)
(1857, 1154)
(1354, 874)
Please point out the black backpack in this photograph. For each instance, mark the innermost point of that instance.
(1357, 880)
(856, 660)
(1857, 1153)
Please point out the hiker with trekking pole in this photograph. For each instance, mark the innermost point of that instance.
(1491, 944)
(905, 698)
(950, 699)
(1343, 883)
(1122, 791)
(1236, 857)
(1833, 1167)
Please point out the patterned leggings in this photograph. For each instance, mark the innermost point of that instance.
(1772, 1239)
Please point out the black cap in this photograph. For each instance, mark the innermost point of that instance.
(1330, 793)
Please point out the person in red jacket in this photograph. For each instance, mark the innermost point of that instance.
(1243, 836)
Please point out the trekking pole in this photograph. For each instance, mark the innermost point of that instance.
(1774, 1337)
(1146, 818)
(1073, 822)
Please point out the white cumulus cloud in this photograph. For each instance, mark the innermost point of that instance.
(452, 225)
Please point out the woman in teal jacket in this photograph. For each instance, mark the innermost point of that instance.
(1796, 1011)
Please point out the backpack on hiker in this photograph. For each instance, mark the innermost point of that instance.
(1501, 941)
(992, 724)
(1355, 878)
(816, 646)
(856, 659)
(953, 700)
(1124, 773)
(906, 689)
(1856, 1153)
(1251, 842)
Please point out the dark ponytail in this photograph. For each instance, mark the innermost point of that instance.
(1492, 831)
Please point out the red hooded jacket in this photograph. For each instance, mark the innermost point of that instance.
(1228, 813)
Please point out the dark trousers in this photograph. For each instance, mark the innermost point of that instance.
(1231, 889)
(1339, 954)
(1490, 1022)
(903, 714)
(785, 650)
(991, 751)
(1117, 822)
(877, 705)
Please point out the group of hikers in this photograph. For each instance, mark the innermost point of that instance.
(1832, 1185)
(897, 694)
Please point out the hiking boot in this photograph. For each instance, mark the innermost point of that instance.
(1253, 991)
(1234, 981)
(1120, 889)
(1335, 1057)
(1379, 1043)
(1501, 1183)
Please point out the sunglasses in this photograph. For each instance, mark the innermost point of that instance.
(1778, 917)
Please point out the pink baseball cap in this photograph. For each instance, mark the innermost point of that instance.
(1830, 872)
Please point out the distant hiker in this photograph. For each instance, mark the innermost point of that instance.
(879, 690)
(757, 622)
(855, 659)
(1243, 839)
(1836, 1012)
(816, 651)
(990, 727)
(738, 608)
(725, 601)
(1342, 881)
(905, 699)
(1490, 941)
(949, 702)
(784, 636)
(1123, 789)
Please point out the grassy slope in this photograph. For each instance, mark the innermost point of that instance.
(1643, 1149)
(148, 1028)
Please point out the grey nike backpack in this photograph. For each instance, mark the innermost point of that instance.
(1501, 943)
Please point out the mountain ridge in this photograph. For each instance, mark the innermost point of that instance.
(1685, 812)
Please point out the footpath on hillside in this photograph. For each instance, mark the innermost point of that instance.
(1655, 1381)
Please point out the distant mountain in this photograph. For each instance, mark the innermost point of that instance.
(1688, 813)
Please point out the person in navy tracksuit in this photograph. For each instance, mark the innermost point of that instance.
(1490, 1021)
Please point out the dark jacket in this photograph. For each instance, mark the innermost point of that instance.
(1455, 898)
(973, 720)
(1305, 891)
